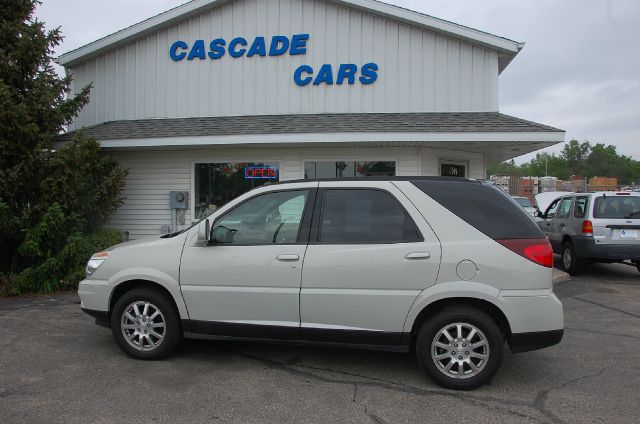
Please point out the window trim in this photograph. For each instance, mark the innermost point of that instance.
(314, 236)
(305, 223)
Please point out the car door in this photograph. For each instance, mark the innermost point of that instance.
(562, 221)
(370, 255)
(246, 280)
(548, 224)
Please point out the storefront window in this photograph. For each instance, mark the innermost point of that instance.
(218, 183)
(332, 169)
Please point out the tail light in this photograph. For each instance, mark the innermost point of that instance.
(538, 251)
(587, 228)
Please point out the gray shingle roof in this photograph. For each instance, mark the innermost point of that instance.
(448, 122)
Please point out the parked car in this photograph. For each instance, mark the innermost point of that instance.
(449, 268)
(526, 205)
(594, 227)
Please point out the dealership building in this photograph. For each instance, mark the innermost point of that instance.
(209, 99)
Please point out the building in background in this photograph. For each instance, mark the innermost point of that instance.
(209, 99)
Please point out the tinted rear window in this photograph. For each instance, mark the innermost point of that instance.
(484, 206)
(617, 207)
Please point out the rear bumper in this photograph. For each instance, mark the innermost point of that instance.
(587, 248)
(525, 342)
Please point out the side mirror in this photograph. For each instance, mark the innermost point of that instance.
(539, 214)
(222, 235)
(204, 231)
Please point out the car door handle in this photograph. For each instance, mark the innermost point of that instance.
(417, 255)
(288, 257)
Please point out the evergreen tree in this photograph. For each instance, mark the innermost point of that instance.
(48, 197)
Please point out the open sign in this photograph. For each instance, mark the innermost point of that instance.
(260, 172)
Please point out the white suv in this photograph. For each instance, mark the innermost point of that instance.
(451, 268)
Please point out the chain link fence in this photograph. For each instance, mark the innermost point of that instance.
(529, 187)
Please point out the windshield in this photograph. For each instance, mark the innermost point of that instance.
(523, 201)
(617, 207)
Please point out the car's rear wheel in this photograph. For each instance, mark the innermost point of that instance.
(460, 348)
(570, 262)
(146, 324)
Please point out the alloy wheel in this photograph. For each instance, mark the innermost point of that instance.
(143, 325)
(460, 350)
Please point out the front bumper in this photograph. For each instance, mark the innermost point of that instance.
(587, 248)
(94, 299)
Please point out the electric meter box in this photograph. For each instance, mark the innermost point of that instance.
(178, 199)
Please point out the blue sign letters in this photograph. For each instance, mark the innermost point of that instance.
(279, 45)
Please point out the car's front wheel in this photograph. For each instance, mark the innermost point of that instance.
(146, 324)
(460, 348)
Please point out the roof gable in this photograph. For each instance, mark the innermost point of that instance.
(506, 48)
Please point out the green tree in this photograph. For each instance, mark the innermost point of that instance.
(52, 202)
(574, 154)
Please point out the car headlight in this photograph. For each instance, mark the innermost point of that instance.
(94, 263)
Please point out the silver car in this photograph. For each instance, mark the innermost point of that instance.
(594, 227)
(448, 268)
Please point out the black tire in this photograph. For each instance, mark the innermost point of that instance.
(172, 331)
(451, 316)
(570, 261)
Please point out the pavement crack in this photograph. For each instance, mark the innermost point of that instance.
(541, 399)
(480, 401)
(622, 311)
(376, 419)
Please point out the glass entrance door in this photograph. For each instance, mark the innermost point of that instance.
(218, 183)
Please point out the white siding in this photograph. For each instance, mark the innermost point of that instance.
(152, 174)
(419, 70)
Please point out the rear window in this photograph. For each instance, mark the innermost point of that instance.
(484, 206)
(616, 207)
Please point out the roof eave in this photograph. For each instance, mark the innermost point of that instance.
(504, 46)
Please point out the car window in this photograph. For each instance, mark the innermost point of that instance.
(619, 207)
(580, 208)
(364, 216)
(484, 206)
(272, 218)
(564, 208)
(523, 201)
(553, 207)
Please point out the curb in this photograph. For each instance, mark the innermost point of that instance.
(560, 276)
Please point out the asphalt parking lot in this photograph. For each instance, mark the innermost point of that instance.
(57, 366)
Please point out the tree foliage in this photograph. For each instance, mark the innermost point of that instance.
(52, 202)
(584, 159)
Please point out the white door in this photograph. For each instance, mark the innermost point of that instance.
(368, 260)
(247, 280)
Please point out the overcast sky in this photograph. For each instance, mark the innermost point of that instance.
(579, 70)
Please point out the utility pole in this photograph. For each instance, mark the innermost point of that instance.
(546, 167)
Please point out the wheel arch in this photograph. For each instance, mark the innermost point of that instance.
(128, 285)
(486, 306)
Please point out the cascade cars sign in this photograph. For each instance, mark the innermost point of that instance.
(278, 45)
